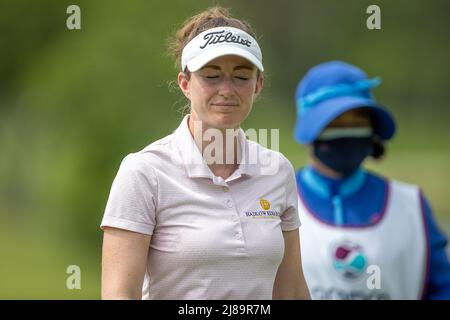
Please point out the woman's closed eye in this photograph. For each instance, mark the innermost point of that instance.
(211, 76)
(242, 74)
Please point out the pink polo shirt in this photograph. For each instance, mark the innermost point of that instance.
(211, 238)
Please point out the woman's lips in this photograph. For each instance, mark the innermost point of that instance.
(225, 104)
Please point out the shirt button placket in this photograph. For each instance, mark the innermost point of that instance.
(229, 203)
(238, 233)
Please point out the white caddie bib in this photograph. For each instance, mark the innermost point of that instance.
(383, 261)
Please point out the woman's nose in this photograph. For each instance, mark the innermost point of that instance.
(226, 87)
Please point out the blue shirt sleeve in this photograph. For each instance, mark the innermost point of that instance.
(438, 277)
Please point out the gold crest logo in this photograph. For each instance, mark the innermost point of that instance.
(265, 204)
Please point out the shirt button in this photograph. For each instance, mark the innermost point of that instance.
(225, 189)
(238, 236)
(229, 203)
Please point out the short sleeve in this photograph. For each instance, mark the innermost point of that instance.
(132, 200)
(290, 219)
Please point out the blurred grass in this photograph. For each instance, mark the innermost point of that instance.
(33, 266)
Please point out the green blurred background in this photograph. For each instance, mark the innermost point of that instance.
(73, 103)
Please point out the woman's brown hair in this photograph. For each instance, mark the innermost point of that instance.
(210, 18)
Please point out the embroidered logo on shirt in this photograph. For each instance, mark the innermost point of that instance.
(265, 204)
(265, 213)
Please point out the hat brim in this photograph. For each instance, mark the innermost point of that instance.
(309, 126)
(202, 59)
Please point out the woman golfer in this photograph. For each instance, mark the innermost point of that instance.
(185, 220)
(363, 236)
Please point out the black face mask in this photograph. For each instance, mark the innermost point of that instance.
(343, 155)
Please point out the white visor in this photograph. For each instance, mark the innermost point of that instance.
(218, 42)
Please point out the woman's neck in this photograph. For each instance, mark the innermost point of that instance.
(219, 149)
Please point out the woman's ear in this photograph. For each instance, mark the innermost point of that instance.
(183, 83)
(259, 84)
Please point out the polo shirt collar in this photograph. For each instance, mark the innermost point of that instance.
(195, 164)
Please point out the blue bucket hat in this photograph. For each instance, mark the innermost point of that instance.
(330, 89)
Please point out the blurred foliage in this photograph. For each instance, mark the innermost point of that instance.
(74, 103)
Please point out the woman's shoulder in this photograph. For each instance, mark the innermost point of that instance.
(159, 144)
(151, 156)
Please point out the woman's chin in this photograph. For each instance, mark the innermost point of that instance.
(226, 120)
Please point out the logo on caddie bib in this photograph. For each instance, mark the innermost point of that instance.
(349, 259)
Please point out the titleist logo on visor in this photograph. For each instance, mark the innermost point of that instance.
(221, 36)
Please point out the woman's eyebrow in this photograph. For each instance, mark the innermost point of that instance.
(210, 66)
(244, 67)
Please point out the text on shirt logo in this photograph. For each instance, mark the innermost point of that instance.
(265, 213)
